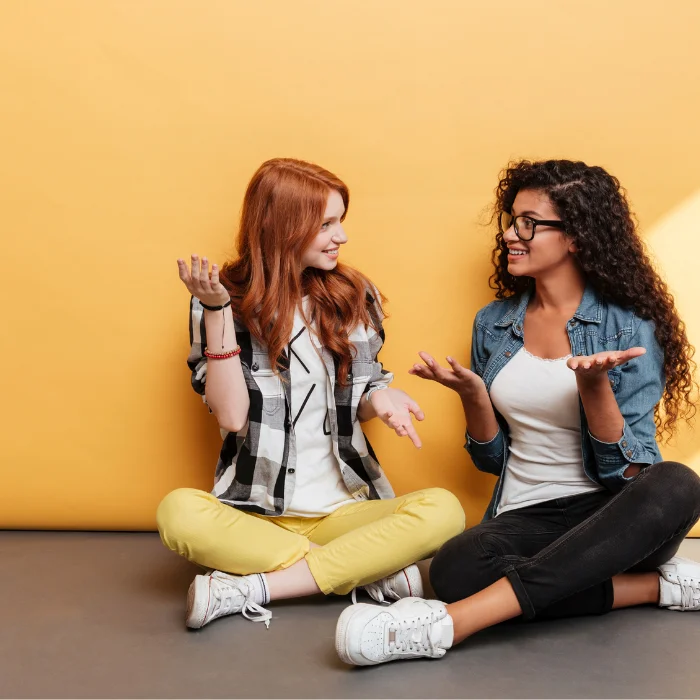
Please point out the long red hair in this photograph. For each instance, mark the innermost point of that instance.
(282, 213)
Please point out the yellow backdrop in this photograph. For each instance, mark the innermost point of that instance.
(130, 129)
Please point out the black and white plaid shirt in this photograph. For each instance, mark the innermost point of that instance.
(257, 466)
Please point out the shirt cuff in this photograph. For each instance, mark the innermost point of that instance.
(372, 388)
(614, 457)
(487, 456)
(471, 440)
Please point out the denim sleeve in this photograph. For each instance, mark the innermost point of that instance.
(487, 456)
(641, 387)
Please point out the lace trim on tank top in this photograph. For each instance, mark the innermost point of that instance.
(545, 359)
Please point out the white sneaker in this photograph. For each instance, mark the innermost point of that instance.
(367, 634)
(217, 594)
(406, 583)
(679, 585)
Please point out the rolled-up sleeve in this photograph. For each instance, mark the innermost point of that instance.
(379, 377)
(196, 360)
(488, 456)
(640, 389)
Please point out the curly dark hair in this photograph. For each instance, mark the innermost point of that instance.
(596, 215)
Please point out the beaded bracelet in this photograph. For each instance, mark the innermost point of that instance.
(222, 355)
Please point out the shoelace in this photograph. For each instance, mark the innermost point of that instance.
(414, 635)
(225, 594)
(690, 592)
(373, 590)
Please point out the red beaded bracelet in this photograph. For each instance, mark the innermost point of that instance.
(223, 355)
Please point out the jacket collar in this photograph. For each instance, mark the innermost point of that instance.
(591, 308)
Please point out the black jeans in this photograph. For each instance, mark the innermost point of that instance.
(560, 556)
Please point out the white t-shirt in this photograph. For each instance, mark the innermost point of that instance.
(319, 487)
(540, 402)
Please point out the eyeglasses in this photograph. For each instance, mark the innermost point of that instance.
(524, 225)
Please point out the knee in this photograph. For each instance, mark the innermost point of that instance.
(178, 513)
(446, 513)
(456, 570)
(676, 486)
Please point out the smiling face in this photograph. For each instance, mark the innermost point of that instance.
(549, 250)
(323, 251)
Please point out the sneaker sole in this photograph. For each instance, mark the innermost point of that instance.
(198, 591)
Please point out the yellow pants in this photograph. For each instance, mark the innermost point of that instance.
(359, 543)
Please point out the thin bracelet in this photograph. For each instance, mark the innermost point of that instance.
(215, 308)
(223, 330)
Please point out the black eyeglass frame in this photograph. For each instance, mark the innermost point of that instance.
(535, 224)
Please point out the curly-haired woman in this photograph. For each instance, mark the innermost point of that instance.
(577, 366)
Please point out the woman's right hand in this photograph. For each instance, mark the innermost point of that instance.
(460, 379)
(206, 287)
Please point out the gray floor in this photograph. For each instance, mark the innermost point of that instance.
(101, 615)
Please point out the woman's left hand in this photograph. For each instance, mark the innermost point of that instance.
(591, 367)
(394, 407)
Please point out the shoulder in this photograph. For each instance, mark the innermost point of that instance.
(373, 302)
(495, 311)
(372, 294)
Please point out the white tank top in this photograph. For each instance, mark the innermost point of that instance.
(319, 488)
(540, 402)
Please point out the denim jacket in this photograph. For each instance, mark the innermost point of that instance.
(596, 326)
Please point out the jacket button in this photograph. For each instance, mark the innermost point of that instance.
(255, 367)
(629, 453)
(291, 470)
(612, 383)
(507, 353)
(518, 327)
(573, 323)
(624, 443)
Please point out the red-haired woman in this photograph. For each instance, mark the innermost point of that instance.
(284, 345)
